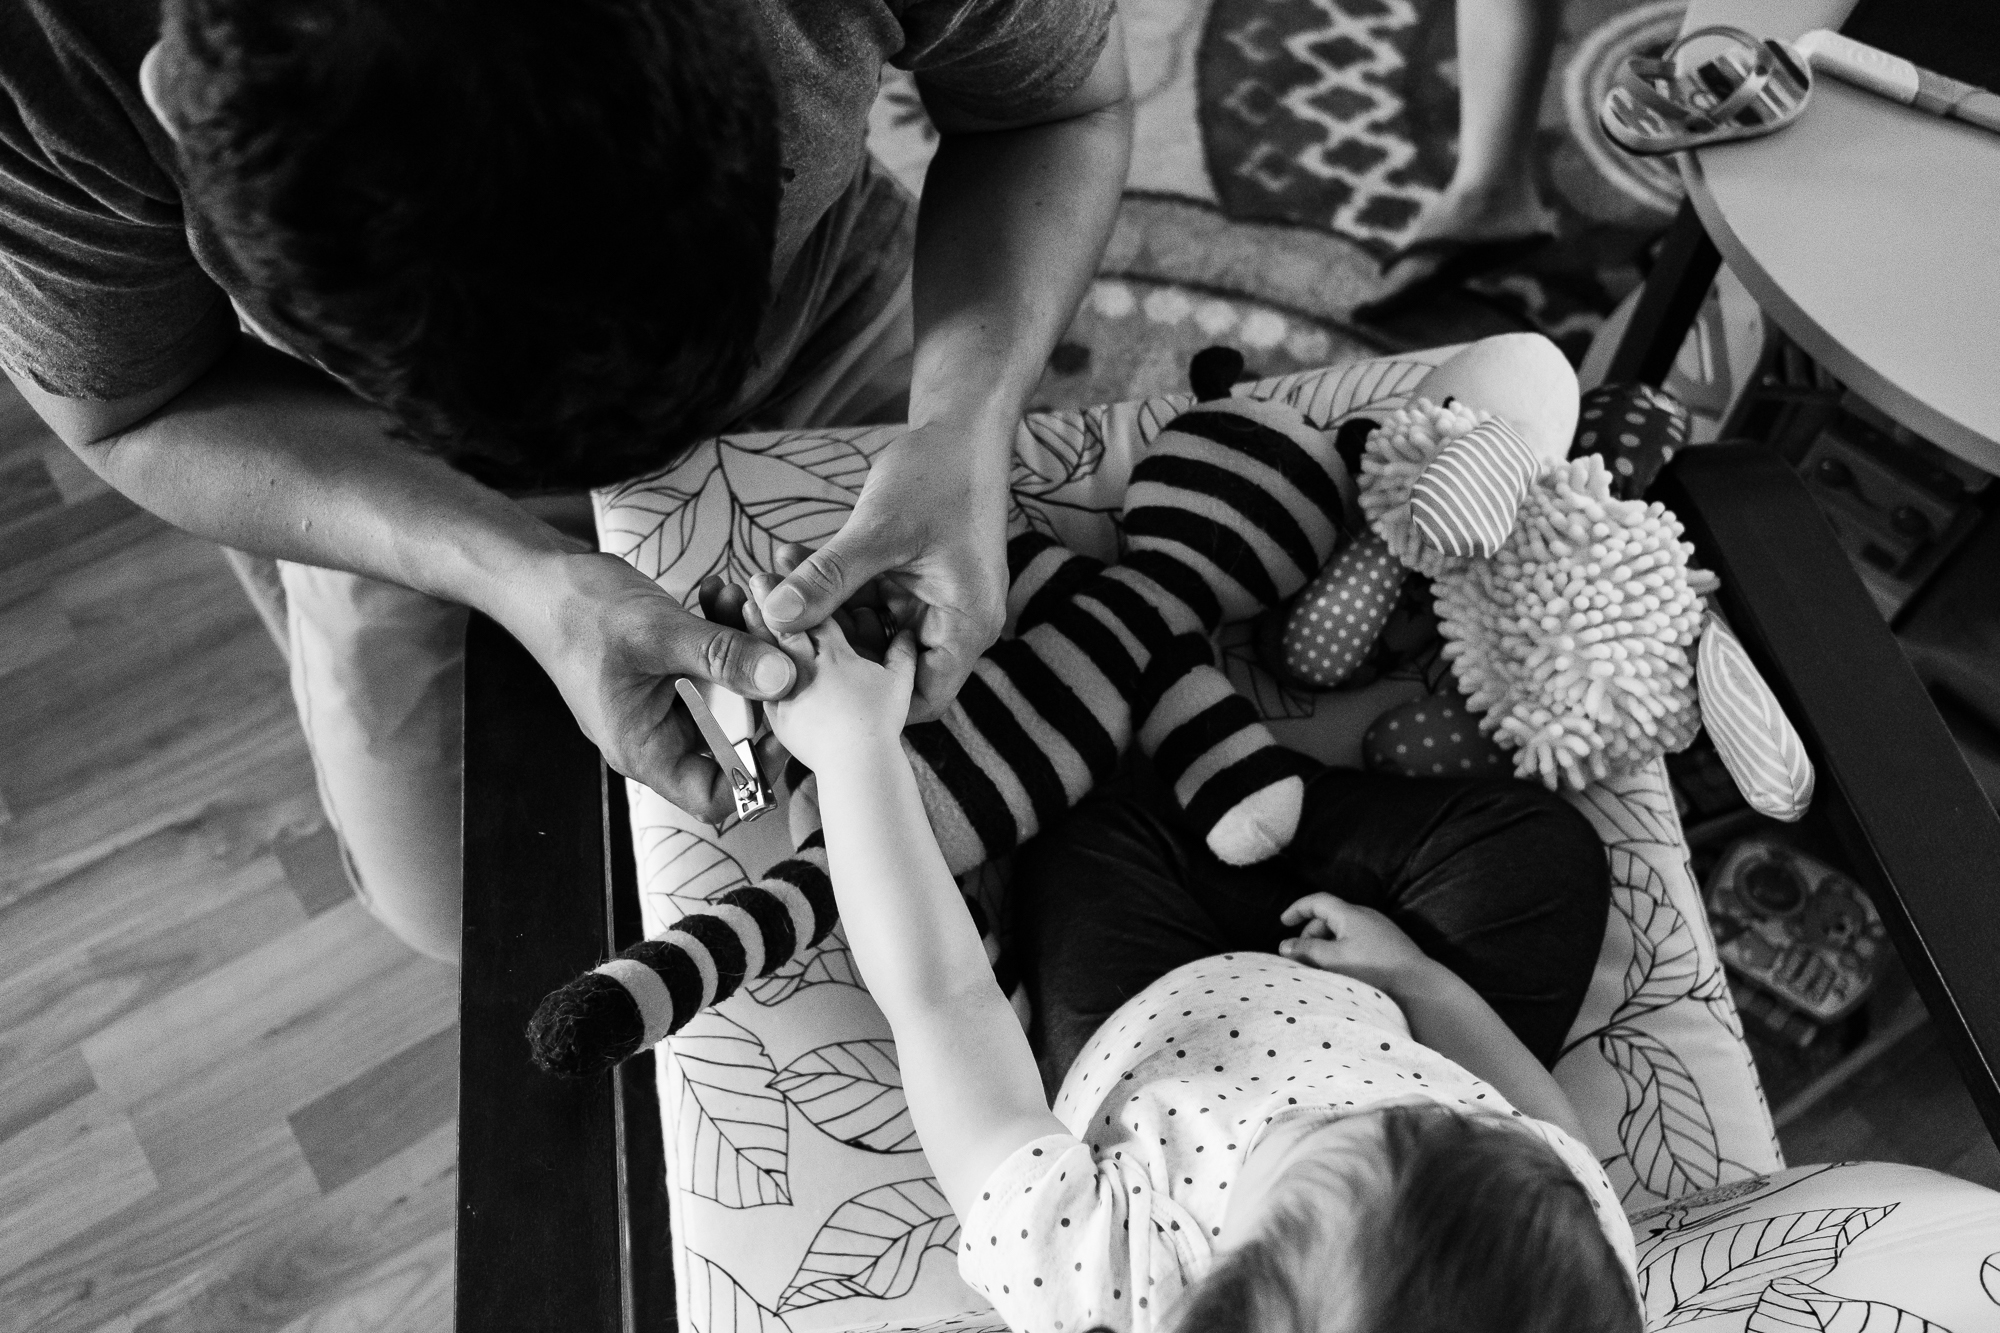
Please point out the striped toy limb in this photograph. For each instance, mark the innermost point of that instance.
(1046, 715)
(1228, 773)
(1236, 505)
(652, 989)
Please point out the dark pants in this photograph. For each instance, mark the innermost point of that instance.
(1502, 882)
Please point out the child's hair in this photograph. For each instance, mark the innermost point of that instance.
(1470, 1225)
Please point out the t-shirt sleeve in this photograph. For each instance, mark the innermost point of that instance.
(1061, 1242)
(1002, 60)
(100, 294)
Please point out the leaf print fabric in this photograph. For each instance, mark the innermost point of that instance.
(786, 1108)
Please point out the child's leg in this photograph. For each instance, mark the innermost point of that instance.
(1503, 882)
(1101, 908)
(1499, 880)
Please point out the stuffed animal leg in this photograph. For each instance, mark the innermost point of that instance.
(1235, 505)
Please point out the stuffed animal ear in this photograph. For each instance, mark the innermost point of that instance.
(1465, 503)
(1214, 371)
(1757, 742)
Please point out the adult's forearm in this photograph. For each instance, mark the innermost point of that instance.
(268, 455)
(1009, 234)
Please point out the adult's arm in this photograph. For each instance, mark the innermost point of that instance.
(1013, 221)
(261, 452)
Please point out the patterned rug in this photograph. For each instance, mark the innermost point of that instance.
(1284, 146)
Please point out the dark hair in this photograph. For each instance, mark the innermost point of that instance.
(537, 231)
(1471, 1226)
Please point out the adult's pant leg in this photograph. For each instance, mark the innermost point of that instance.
(378, 676)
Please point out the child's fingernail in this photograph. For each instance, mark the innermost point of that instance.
(1286, 946)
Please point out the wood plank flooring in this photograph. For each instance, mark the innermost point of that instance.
(227, 1097)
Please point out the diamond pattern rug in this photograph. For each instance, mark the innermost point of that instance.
(1284, 146)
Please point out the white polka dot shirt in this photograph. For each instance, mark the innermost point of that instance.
(1104, 1226)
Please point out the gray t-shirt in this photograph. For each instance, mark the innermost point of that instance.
(103, 296)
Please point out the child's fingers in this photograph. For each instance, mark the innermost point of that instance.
(798, 645)
(722, 602)
(753, 621)
(901, 659)
(1320, 953)
(829, 640)
(1315, 907)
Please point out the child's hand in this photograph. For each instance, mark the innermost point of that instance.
(845, 709)
(1357, 942)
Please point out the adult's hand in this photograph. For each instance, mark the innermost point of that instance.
(931, 524)
(613, 642)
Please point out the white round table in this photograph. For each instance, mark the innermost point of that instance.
(1867, 231)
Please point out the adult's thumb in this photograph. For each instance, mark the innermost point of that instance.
(818, 587)
(737, 662)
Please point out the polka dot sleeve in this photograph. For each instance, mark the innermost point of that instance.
(1061, 1241)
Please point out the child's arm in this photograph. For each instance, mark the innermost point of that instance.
(1444, 1013)
(973, 1090)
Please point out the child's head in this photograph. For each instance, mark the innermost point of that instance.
(1416, 1219)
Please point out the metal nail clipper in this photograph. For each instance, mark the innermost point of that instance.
(717, 713)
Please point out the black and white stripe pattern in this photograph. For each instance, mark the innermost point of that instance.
(648, 992)
(1237, 504)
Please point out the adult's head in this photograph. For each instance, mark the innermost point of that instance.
(1414, 1219)
(537, 231)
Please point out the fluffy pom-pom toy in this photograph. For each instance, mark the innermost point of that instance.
(1408, 441)
(1574, 638)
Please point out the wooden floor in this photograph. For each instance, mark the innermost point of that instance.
(227, 1097)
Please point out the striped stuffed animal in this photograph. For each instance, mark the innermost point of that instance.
(1237, 503)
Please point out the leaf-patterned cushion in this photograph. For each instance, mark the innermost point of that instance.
(1858, 1247)
(800, 1199)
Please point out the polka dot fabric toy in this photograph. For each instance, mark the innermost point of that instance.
(1635, 429)
(1434, 737)
(1332, 626)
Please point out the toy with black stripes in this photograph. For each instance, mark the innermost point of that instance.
(1234, 507)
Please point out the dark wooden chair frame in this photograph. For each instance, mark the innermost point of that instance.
(562, 1205)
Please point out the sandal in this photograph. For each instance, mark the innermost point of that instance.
(1749, 90)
